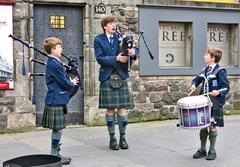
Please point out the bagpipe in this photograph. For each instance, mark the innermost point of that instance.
(127, 42)
(71, 68)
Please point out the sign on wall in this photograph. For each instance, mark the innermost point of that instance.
(218, 1)
(100, 9)
(6, 46)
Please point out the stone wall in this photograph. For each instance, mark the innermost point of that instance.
(127, 15)
(155, 97)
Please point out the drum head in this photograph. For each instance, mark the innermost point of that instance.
(193, 101)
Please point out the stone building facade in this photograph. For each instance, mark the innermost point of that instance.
(155, 96)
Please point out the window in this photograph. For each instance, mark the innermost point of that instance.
(225, 37)
(57, 22)
(175, 44)
(178, 38)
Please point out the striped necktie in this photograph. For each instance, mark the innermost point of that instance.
(111, 40)
(209, 71)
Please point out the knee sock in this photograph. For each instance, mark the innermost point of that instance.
(203, 138)
(122, 123)
(110, 119)
(213, 138)
(56, 137)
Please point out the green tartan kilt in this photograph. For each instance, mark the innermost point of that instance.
(54, 118)
(217, 114)
(110, 98)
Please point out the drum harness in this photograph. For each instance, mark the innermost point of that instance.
(214, 74)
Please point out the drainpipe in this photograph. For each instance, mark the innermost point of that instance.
(28, 38)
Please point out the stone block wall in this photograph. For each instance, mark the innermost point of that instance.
(155, 97)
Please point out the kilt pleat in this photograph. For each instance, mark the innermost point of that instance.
(53, 117)
(217, 114)
(114, 97)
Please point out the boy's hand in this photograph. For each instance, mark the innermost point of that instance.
(121, 58)
(75, 80)
(193, 88)
(215, 93)
(131, 52)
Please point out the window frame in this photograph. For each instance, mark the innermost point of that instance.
(200, 18)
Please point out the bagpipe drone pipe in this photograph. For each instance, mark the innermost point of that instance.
(71, 68)
(126, 43)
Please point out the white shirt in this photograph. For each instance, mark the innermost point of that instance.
(213, 66)
(108, 36)
(55, 58)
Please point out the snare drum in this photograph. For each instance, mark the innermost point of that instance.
(194, 112)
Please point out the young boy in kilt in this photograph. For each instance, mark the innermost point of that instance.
(110, 59)
(57, 96)
(211, 58)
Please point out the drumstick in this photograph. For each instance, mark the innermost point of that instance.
(191, 92)
(220, 90)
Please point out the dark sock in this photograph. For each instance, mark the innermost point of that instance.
(213, 138)
(203, 138)
(110, 119)
(56, 137)
(122, 123)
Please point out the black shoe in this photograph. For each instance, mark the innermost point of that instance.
(65, 160)
(123, 143)
(113, 144)
(211, 154)
(199, 154)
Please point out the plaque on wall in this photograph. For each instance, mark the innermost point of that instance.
(175, 44)
(6, 47)
(100, 9)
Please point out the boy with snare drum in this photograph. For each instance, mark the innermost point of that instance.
(211, 58)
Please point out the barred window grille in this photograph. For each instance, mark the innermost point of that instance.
(57, 22)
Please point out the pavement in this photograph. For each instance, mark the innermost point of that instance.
(152, 144)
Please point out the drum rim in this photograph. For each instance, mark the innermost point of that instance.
(195, 127)
(187, 106)
(195, 106)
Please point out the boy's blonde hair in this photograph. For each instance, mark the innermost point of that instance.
(216, 53)
(50, 43)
